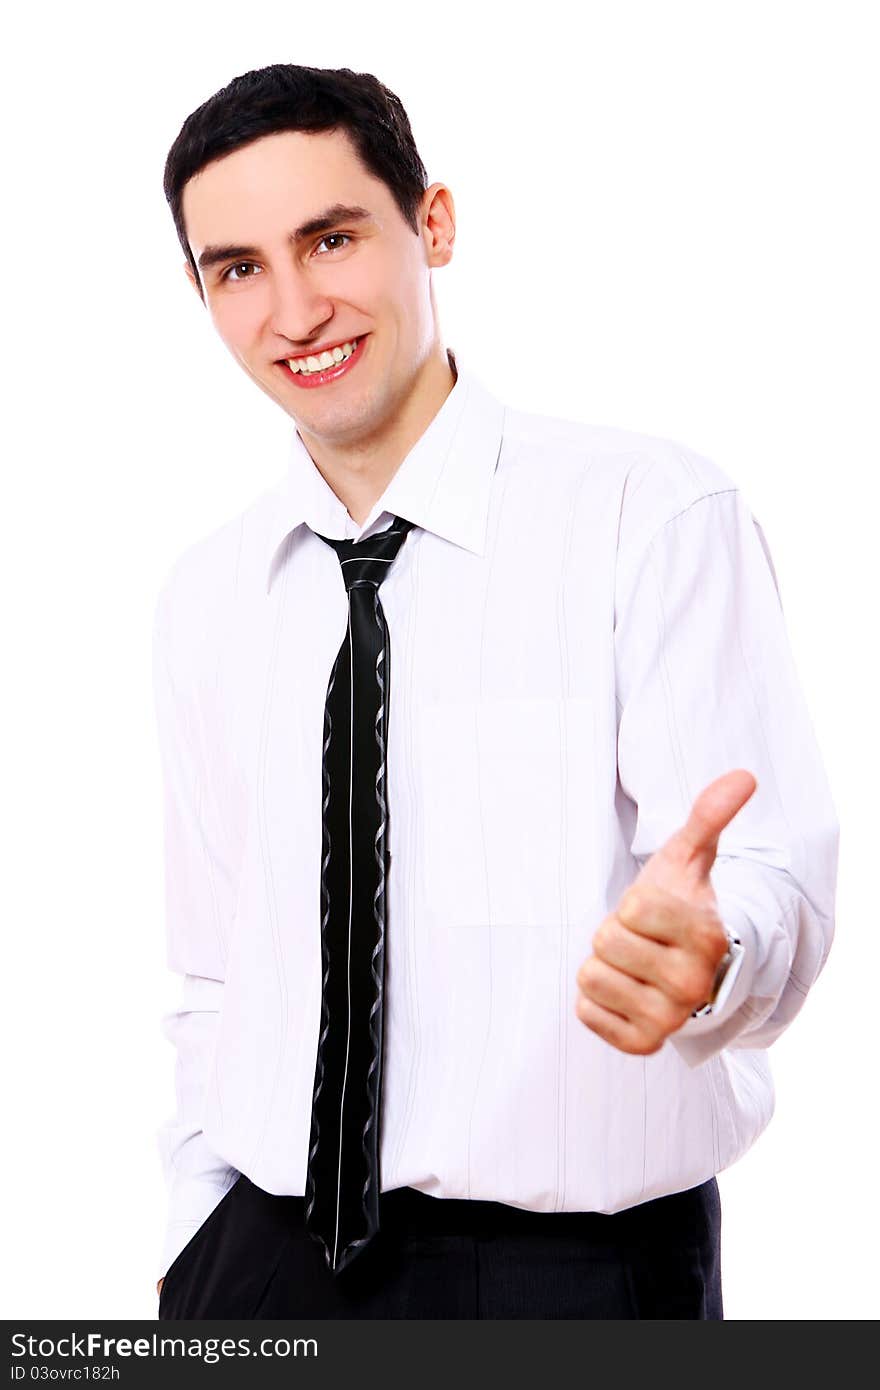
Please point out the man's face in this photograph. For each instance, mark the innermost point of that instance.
(362, 279)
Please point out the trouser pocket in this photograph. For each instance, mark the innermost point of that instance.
(177, 1270)
(224, 1270)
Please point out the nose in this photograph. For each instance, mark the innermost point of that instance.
(298, 309)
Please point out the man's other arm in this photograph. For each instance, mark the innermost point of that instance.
(198, 907)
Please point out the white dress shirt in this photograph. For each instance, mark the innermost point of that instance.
(585, 630)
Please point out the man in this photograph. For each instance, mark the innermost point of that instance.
(499, 848)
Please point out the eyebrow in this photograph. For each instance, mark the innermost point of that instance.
(322, 222)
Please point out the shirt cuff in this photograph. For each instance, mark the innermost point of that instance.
(700, 1038)
(197, 1197)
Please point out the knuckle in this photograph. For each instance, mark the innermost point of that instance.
(590, 1020)
(648, 1042)
(712, 939)
(630, 907)
(654, 1015)
(586, 973)
(690, 984)
(601, 937)
(584, 1008)
(661, 1016)
(608, 938)
(671, 1018)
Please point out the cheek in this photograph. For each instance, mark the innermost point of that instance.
(360, 284)
(389, 275)
(237, 319)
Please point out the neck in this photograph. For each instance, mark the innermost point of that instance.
(360, 473)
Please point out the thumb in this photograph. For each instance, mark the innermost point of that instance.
(714, 808)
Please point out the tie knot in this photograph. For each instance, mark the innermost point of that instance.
(368, 561)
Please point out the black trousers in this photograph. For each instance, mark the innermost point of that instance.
(447, 1258)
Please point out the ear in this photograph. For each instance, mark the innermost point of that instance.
(439, 224)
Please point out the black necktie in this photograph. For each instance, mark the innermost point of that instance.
(342, 1189)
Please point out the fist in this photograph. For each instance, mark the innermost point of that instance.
(654, 961)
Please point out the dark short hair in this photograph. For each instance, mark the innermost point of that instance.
(285, 96)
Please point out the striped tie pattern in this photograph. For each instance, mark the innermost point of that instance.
(343, 1180)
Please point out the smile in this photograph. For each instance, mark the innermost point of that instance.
(326, 366)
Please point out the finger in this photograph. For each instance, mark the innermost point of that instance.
(683, 974)
(613, 1029)
(633, 1000)
(691, 940)
(713, 810)
(633, 952)
(652, 912)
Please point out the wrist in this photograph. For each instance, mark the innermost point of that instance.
(728, 969)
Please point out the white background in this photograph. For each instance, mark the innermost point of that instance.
(667, 221)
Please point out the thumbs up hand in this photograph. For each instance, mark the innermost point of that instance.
(654, 960)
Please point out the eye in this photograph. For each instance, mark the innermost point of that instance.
(228, 275)
(334, 236)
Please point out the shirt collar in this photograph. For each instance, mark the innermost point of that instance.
(442, 485)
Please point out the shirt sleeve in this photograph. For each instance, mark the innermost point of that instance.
(197, 908)
(706, 683)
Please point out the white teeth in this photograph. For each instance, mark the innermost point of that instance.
(326, 359)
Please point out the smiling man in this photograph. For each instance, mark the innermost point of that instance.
(498, 845)
(347, 283)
